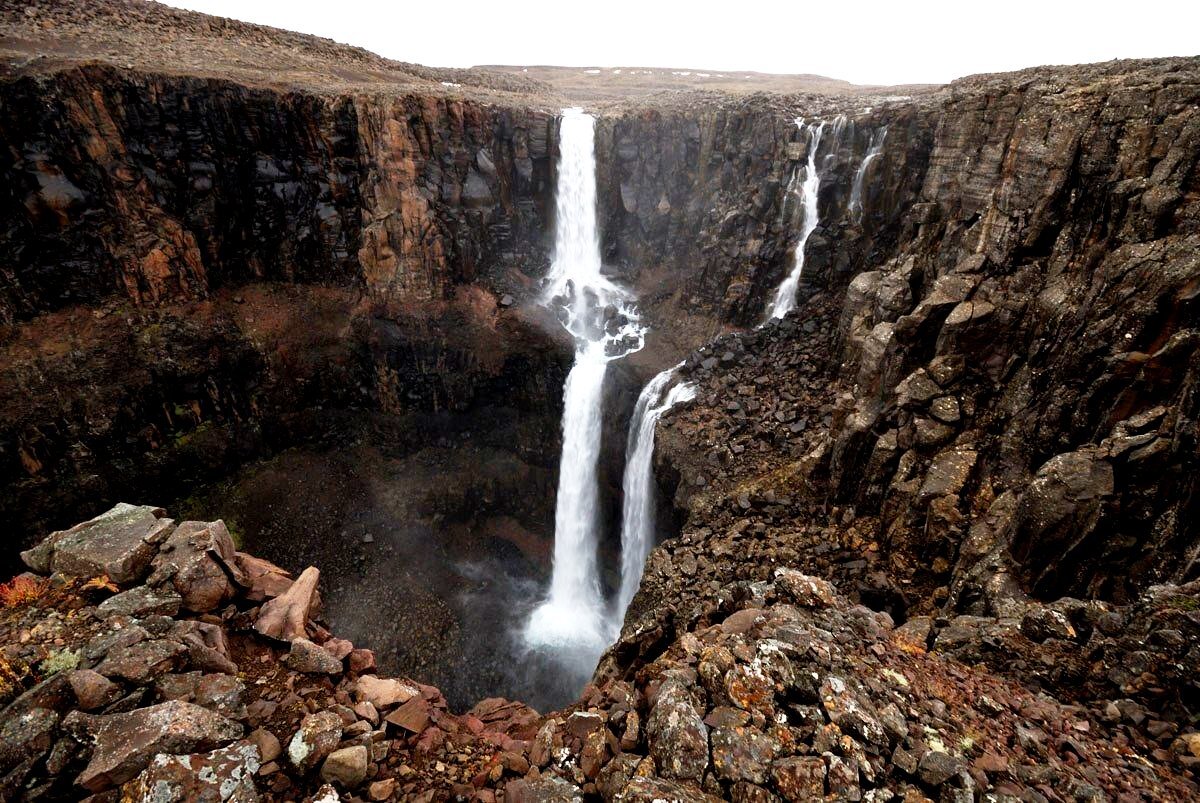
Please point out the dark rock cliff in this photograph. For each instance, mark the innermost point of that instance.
(192, 256)
(988, 390)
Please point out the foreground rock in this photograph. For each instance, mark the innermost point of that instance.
(779, 689)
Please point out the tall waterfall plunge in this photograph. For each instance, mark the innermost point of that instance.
(571, 622)
(638, 513)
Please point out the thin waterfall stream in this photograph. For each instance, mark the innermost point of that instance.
(638, 533)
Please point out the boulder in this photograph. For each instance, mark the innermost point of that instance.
(126, 743)
(286, 617)
(226, 774)
(413, 716)
(317, 737)
(805, 590)
(26, 737)
(658, 790)
(546, 789)
(263, 579)
(267, 743)
(92, 690)
(742, 753)
(144, 661)
(800, 779)
(118, 544)
(678, 736)
(140, 602)
(199, 562)
(383, 693)
(305, 656)
(346, 767)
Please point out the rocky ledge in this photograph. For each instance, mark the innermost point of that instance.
(149, 660)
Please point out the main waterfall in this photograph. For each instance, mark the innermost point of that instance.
(571, 621)
(638, 513)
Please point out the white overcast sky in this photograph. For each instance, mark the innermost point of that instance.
(864, 41)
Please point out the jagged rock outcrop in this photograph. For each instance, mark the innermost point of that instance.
(780, 689)
(1004, 387)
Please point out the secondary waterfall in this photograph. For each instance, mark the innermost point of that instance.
(785, 296)
(810, 190)
(638, 513)
(571, 621)
(874, 148)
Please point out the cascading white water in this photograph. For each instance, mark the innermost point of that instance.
(638, 513)
(874, 148)
(785, 295)
(571, 621)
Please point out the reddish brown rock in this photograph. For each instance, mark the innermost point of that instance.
(126, 743)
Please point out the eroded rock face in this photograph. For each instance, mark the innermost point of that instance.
(997, 393)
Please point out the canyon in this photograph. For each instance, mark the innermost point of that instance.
(858, 445)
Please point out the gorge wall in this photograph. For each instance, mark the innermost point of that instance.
(989, 390)
(310, 299)
(176, 239)
(193, 257)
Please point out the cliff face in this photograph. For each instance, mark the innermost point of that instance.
(988, 391)
(189, 255)
(700, 204)
(159, 188)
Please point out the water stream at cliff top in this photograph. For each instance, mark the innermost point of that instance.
(638, 532)
(571, 623)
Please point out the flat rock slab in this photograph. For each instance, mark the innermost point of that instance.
(125, 744)
(226, 774)
(140, 602)
(120, 544)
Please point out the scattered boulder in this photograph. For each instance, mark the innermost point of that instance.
(199, 562)
(678, 736)
(346, 767)
(384, 693)
(809, 592)
(317, 737)
(225, 774)
(118, 544)
(140, 602)
(126, 743)
(92, 690)
(305, 656)
(286, 617)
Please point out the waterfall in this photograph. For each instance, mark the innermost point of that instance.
(873, 150)
(571, 621)
(637, 515)
(785, 296)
